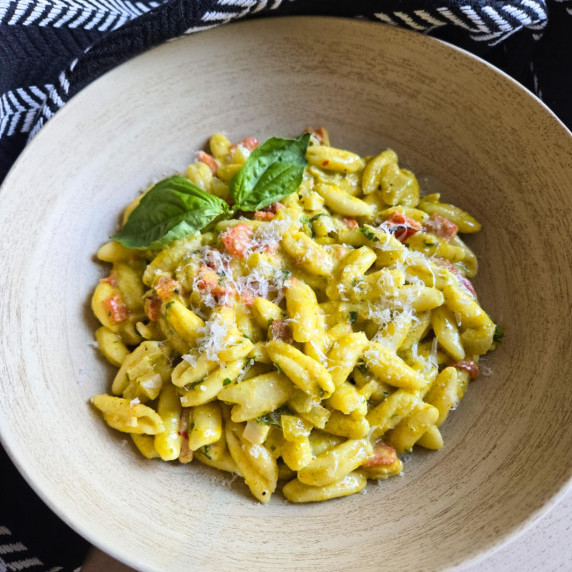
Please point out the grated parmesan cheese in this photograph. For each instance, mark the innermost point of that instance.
(223, 270)
(212, 337)
(433, 360)
(191, 359)
(267, 237)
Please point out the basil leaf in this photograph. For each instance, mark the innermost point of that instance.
(273, 171)
(173, 208)
(273, 418)
(369, 234)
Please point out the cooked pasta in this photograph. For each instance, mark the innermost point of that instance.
(308, 334)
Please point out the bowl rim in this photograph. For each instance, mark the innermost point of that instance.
(30, 476)
(271, 18)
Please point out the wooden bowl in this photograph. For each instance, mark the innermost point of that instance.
(464, 128)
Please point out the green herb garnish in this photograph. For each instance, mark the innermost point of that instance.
(498, 335)
(273, 171)
(306, 225)
(190, 386)
(362, 368)
(273, 418)
(173, 208)
(370, 235)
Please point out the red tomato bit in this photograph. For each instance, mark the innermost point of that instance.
(111, 279)
(267, 213)
(153, 307)
(264, 215)
(166, 287)
(383, 455)
(320, 135)
(208, 160)
(249, 143)
(401, 226)
(211, 282)
(237, 239)
(441, 227)
(469, 366)
(116, 309)
(463, 281)
(247, 298)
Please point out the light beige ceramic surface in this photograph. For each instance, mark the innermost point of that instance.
(466, 130)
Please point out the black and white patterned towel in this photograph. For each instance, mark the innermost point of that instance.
(51, 49)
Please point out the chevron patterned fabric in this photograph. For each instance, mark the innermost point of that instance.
(51, 49)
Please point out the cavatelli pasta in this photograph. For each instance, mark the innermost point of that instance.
(303, 344)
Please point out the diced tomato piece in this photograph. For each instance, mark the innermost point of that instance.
(320, 135)
(463, 281)
(210, 281)
(466, 284)
(249, 143)
(263, 215)
(399, 218)
(351, 223)
(402, 233)
(383, 455)
(469, 366)
(401, 226)
(153, 307)
(280, 330)
(166, 287)
(116, 309)
(248, 299)
(186, 454)
(208, 160)
(441, 227)
(237, 238)
(111, 279)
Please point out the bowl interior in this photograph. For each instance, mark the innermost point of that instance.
(466, 130)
